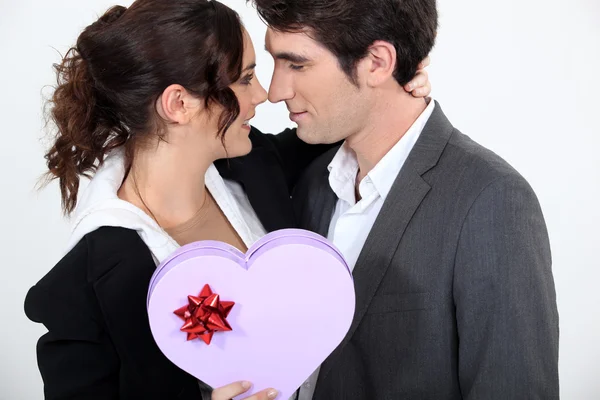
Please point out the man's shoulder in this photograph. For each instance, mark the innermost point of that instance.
(478, 165)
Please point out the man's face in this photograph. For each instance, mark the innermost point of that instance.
(321, 99)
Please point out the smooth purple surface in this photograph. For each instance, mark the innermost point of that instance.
(294, 298)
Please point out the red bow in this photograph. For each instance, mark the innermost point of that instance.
(204, 315)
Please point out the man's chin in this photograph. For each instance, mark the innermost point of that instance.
(307, 136)
(312, 137)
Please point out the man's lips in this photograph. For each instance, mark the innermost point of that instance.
(297, 116)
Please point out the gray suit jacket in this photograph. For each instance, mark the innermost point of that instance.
(455, 297)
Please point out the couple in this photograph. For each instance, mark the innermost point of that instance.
(448, 246)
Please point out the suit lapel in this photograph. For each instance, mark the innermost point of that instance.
(402, 202)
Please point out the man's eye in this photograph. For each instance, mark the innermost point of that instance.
(296, 67)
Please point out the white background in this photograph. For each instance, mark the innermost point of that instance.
(520, 77)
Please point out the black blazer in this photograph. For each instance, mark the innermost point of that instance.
(93, 302)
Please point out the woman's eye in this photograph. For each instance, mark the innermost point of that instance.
(247, 80)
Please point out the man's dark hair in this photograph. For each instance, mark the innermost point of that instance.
(348, 27)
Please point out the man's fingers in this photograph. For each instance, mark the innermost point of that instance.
(425, 63)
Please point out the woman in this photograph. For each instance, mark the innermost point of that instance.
(154, 102)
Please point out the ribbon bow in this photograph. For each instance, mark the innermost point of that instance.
(204, 315)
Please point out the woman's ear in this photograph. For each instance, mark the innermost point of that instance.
(177, 105)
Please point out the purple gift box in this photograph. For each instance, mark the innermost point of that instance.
(294, 303)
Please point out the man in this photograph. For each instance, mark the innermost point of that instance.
(447, 242)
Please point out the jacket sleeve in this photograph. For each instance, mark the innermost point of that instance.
(76, 358)
(505, 299)
(295, 155)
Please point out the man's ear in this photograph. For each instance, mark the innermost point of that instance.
(380, 63)
(177, 105)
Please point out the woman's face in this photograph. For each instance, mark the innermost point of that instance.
(176, 103)
(250, 94)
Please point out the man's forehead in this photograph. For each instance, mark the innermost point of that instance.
(297, 42)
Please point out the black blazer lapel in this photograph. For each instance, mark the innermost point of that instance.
(314, 200)
(405, 196)
(327, 200)
(263, 180)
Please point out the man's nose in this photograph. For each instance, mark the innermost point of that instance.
(280, 90)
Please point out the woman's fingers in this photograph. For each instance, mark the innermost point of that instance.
(267, 394)
(230, 391)
(419, 86)
(235, 389)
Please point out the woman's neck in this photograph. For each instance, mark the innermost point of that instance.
(167, 182)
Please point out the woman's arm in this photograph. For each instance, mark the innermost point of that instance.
(76, 358)
(294, 154)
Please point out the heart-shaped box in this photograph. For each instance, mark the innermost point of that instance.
(294, 303)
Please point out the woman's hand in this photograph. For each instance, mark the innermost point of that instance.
(420, 86)
(235, 389)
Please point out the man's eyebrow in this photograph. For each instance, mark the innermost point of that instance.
(288, 56)
(249, 67)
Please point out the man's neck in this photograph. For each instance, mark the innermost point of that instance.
(386, 127)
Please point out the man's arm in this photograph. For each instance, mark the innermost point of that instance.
(505, 299)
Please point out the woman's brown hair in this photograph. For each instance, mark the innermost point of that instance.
(109, 82)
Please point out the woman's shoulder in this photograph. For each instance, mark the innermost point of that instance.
(94, 257)
(96, 253)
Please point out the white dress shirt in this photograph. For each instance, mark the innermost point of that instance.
(99, 205)
(233, 201)
(352, 221)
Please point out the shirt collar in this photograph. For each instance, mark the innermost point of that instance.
(343, 168)
(384, 174)
(342, 173)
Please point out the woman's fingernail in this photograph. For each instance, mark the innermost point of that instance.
(246, 384)
(410, 87)
(272, 394)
